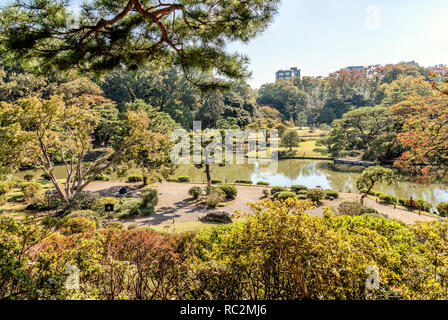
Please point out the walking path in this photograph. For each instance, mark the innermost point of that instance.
(175, 205)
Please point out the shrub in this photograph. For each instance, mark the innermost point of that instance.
(88, 214)
(388, 198)
(275, 190)
(135, 178)
(404, 201)
(216, 181)
(331, 194)
(102, 177)
(28, 177)
(266, 192)
(442, 208)
(78, 225)
(230, 191)
(422, 204)
(263, 183)
(115, 225)
(214, 198)
(285, 195)
(369, 211)
(30, 190)
(171, 179)
(129, 208)
(195, 192)
(150, 198)
(81, 201)
(315, 194)
(243, 181)
(350, 208)
(184, 179)
(302, 197)
(218, 216)
(101, 202)
(298, 188)
(45, 176)
(5, 187)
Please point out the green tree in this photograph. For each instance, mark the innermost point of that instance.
(36, 132)
(133, 33)
(290, 139)
(373, 175)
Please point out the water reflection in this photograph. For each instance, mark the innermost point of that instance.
(290, 172)
(312, 174)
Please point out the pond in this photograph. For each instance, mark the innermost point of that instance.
(310, 173)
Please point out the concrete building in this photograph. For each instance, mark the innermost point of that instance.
(354, 68)
(287, 74)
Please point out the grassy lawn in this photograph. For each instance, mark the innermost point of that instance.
(305, 149)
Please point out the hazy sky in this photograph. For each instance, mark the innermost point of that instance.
(322, 36)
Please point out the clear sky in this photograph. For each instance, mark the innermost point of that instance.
(322, 36)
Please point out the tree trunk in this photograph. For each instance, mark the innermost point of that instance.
(207, 172)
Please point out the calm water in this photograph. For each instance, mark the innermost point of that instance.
(304, 172)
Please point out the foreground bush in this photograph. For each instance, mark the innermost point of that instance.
(135, 178)
(316, 195)
(298, 188)
(284, 195)
(275, 190)
(388, 198)
(195, 192)
(88, 214)
(230, 191)
(30, 190)
(442, 208)
(278, 253)
(78, 225)
(150, 198)
(214, 198)
(350, 208)
(331, 194)
(81, 201)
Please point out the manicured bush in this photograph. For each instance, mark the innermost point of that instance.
(298, 188)
(115, 225)
(263, 183)
(243, 181)
(216, 181)
(30, 190)
(101, 202)
(45, 176)
(88, 214)
(195, 192)
(316, 194)
(442, 208)
(230, 191)
(422, 204)
(214, 198)
(102, 177)
(28, 177)
(275, 190)
(78, 225)
(404, 201)
(302, 197)
(331, 194)
(171, 179)
(135, 178)
(388, 198)
(184, 179)
(81, 201)
(285, 195)
(129, 208)
(350, 208)
(5, 187)
(266, 192)
(150, 198)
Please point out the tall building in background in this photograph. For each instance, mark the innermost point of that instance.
(354, 68)
(287, 74)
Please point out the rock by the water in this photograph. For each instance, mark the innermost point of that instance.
(217, 216)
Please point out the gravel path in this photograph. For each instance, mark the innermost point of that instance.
(175, 205)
